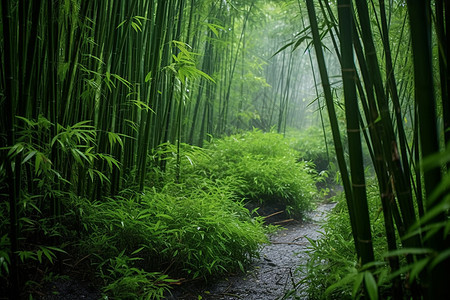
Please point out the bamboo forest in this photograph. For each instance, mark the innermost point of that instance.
(224, 149)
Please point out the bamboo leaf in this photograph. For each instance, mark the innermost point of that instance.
(122, 80)
(25, 255)
(76, 156)
(417, 267)
(100, 175)
(30, 123)
(284, 47)
(114, 138)
(121, 24)
(165, 216)
(29, 156)
(347, 279)
(371, 285)
(204, 75)
(49, 254)
(148, 77)
(142, 105)
(357, 284)
(440, 258)
(214, 27)
(136, 27)
(39, 256)
(37, 162)
(299, 41)
(406, 251)
(429, 215)
(16, 149)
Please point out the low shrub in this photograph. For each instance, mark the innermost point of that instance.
(311, 146)
(263, 168)
(332, 271)
(181, 231)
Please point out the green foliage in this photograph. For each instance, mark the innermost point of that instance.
(90, 89)
(5, 260)
(184, 64)
(198, 228)
(311, 147)
(332, 270)
(37, 249)
(49, 154)
(263, 168)
(185, 230)
(126, 282)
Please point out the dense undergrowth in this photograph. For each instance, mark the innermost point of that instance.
(310, 143)
(191, 222)
(267, 170)
(332, 270)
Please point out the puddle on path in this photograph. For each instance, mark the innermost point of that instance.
(274, 273)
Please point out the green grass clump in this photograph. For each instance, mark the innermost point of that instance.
(332, 271)
(180, 231)
(311, 146)
(263, 168)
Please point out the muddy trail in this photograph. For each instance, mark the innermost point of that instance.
(274, 273)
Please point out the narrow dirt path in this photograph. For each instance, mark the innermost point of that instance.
(274, 273)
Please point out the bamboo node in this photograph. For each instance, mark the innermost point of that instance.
(404, 193)
(364, 241)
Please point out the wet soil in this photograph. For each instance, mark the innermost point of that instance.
(70, 289)
(274, 274)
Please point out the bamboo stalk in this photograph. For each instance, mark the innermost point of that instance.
(333, 121)
(390, 149)
(359, 200)
(10, 131)
(420, 24)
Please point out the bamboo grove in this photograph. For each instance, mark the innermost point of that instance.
(92, 92)
(381, 94)
(108, 64)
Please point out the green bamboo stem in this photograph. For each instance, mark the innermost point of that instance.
(10, 131)
(157, 42)
(420, 24)
(385, 187)
(333, 120)
(234, 63)
(442, 36)
(359, 200)
(315, 87)
(392, 88)
(390, 149)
